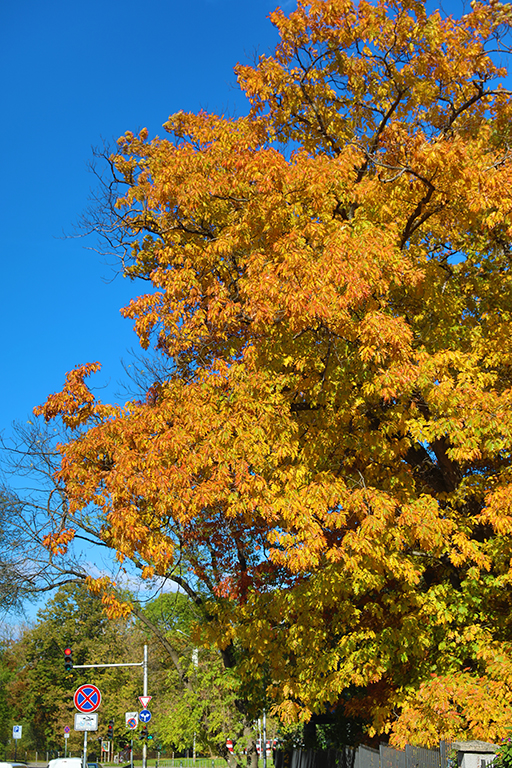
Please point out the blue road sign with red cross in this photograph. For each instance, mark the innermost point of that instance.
(87, 698)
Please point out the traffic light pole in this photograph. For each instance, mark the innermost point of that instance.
(144, 665)
(145, 686)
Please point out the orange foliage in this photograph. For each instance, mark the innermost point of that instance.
(330, 451)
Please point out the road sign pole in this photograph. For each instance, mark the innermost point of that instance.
(85, 750)
(145, 685)
(131, 753)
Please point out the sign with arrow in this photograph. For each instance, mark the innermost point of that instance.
(84, 722)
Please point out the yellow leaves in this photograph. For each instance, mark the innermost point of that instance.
(57, 543)
(384, 338)
(416, 49)
(454, 706)
(105, 588)
(75, 403)
(289, 712)
(115, 608)
(426, 526)
(498, 511)
(464, 550)
(329, 455)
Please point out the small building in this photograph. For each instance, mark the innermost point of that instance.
(474, 754)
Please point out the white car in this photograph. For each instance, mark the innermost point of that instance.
(65, 762)
(13, 765)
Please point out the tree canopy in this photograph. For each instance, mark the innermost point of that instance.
(38, 691)
(324, 460)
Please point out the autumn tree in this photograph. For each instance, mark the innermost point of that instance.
(193, 703)
(325, 466)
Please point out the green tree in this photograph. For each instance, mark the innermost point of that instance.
(8, 663)
(201, 708)
(40, 692)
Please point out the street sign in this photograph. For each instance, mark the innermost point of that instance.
(87, 698)
(145, 715)
(144, 700)
(85, 722)
(66, 735)
(67, 729)
(16, 731)
(131, 719)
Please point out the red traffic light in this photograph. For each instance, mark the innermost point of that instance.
(68, 659)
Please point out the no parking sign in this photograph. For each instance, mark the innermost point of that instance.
(87, 698)
(132, 720)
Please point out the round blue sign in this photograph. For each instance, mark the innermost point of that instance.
(87, 698)
(145, 715)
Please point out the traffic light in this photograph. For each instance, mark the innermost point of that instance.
(144, 733)
(68, 659)
(110, 732)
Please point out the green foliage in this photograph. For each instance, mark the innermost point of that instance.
(205, 713)
(6, 677)
(504, 756)
(40, 692)
(201, 705)
(173, 612)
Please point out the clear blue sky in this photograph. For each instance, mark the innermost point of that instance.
(73, 72)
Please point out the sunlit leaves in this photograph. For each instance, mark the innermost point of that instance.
(329, 452)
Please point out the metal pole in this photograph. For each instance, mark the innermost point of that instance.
(264, 739)
(145, 693)
(85, 750)
(131, 753)
(96, 666)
